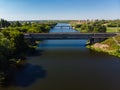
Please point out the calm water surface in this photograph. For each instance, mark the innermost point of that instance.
(68, 65)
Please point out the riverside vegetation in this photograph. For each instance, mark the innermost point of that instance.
(111, 45)
(13, 48)
(97, 26)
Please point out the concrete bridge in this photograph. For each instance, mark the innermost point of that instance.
(92, 37)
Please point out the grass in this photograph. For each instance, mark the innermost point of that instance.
(112, 44)
(109, 30)
(113, 49)
(113, 29)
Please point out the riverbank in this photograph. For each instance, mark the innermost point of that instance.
(110, 46)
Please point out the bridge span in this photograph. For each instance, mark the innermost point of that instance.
(93, 37)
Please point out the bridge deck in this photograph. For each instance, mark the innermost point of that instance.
(67, 35)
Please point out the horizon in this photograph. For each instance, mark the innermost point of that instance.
(24, 10)
(60, 20)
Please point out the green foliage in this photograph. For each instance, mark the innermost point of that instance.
(4, 23)
(78, 26)
(4, 55)
(83, 27)
(16, 24)
(113, 23)
(28, 27)
(16, 38)
(99, 26)
(112, 49)
(93, 27)
(113, 29)
(12, 46)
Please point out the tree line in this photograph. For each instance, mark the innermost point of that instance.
(27, 27)
(97, 25)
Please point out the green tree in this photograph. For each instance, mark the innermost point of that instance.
(4, 23)
(4, 56)
(84, 27)
(78, 26)
(18, 24)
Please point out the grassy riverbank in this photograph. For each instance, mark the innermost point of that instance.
(110, 46)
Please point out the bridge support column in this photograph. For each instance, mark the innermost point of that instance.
(96, 40)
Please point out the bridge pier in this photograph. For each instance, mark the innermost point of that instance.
(96, 40)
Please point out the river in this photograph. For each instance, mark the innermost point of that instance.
(68, 65)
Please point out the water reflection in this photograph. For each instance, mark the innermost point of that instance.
(62, 44)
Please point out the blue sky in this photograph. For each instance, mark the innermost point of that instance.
(59, 9)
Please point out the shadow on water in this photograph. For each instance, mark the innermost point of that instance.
(37, 52)
(28, 75)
